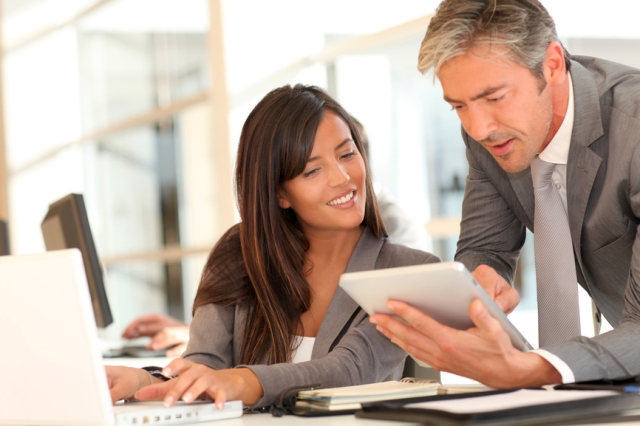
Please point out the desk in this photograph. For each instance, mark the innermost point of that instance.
(267, 419)
(137, 362)
(256, 419)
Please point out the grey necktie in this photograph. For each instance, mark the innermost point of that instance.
(558, 311)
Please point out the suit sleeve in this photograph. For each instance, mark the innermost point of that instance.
(211, 336)
(362, 356)
(490, 233)
(615, 353)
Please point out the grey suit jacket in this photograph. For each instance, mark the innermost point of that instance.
(603, 200)
(348, 349)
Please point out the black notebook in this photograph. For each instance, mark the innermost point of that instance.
(519, 408)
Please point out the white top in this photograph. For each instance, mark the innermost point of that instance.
(304, 349)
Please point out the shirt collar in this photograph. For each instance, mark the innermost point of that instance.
(557, 151)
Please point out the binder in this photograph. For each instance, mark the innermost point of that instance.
(566, 407)
(620, 384)
(313, 400)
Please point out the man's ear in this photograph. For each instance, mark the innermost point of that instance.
(283, 201)
(554, 64)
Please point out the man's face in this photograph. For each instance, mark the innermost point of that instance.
(499, 104)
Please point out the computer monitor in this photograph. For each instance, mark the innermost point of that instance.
(66, 225)
(4, 238)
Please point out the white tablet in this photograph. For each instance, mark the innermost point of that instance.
(444, 291)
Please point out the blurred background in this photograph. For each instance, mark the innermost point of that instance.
(138, 105)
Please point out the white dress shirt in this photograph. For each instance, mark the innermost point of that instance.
(557, 152)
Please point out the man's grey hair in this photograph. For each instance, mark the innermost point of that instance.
(523, 27)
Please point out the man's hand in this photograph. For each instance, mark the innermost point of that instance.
(505, 296)
(483, 353)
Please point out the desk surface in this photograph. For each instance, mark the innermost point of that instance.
(255, 419)
(137, 362)
(267, 419)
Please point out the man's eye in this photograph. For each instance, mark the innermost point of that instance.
(499, 98)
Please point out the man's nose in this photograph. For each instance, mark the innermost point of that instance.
(479, 123)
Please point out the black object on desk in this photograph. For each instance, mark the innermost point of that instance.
(581, 411)
(620, 384)
(4, 239)
(66, 226)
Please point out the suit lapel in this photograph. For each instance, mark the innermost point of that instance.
(342, 307)
(583, 163)
(523, 187)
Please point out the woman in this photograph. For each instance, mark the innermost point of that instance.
(268, 314)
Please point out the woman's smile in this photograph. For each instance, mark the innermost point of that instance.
(343, 200)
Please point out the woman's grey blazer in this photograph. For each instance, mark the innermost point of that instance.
(348, 349)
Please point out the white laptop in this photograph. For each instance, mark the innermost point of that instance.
(53, 371)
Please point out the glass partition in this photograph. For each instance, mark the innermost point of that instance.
(113, 98)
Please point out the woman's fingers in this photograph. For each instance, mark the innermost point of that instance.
(155, 392)
(177, 366)
(192, 381)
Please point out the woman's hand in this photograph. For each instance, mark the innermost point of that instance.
(196, 380)
(124, 382)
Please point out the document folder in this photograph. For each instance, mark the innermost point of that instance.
(348, 399)
(518, 408)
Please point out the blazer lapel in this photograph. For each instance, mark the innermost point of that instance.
(583, 163)
(343, 307)
(523, 187)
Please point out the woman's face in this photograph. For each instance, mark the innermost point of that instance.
(330, 194)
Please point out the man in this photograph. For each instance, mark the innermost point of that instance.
(525, 104)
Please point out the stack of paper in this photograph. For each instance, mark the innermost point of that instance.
(350, 397)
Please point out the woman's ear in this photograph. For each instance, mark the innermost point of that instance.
(283, 201)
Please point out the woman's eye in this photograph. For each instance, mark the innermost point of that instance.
(310, 173)
(348, 155)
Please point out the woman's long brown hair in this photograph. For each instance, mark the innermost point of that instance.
(260, 262)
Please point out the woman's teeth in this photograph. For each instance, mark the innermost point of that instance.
(342, 200)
